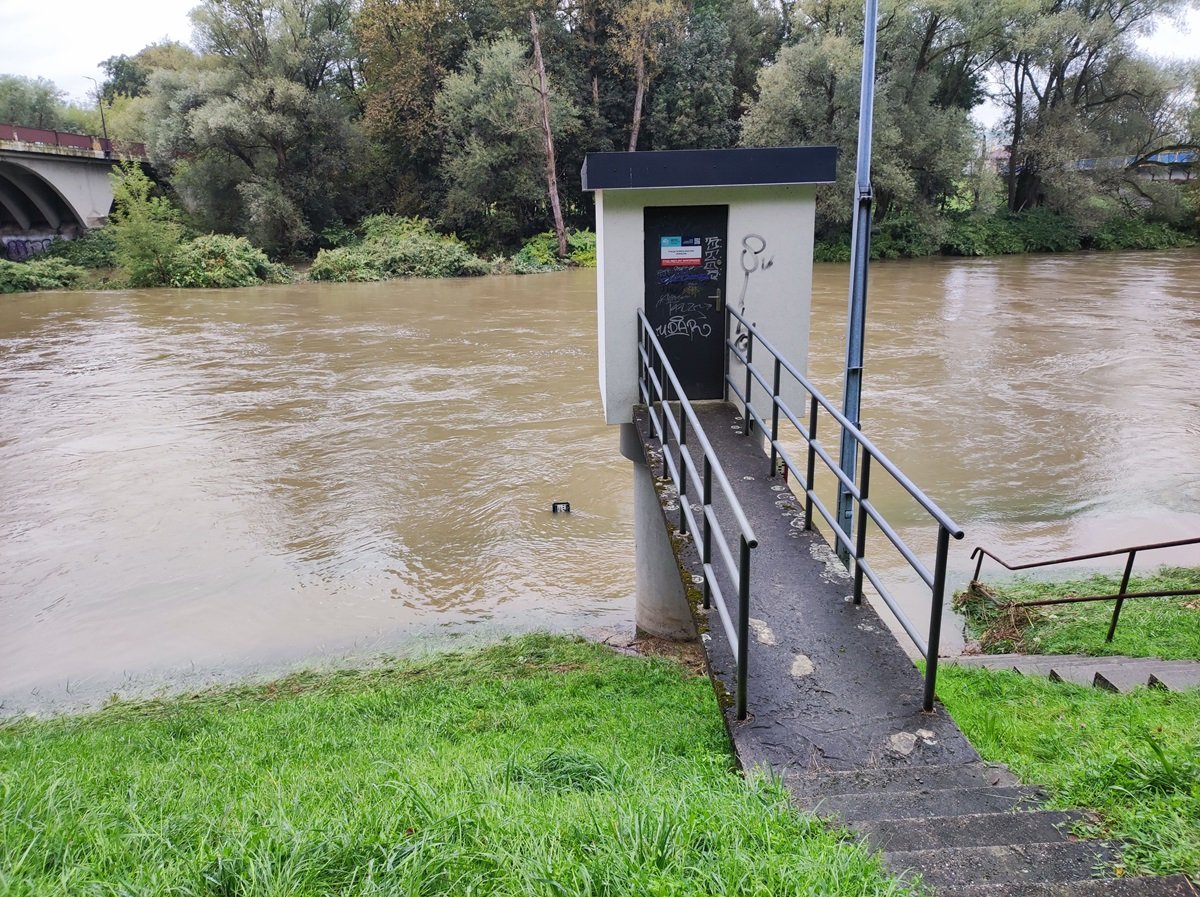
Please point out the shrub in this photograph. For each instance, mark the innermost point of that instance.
(1121, 232)
(832, 250)
(539, 254)
(582, 246)
(973, 235)
(219, 260)
(904, 235)
(39, 274)
(1041, 230)
(93, 249)
(397, 247)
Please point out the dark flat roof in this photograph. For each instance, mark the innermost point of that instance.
(710, 168)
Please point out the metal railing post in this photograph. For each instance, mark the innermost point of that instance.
(706, 543)
(860, 545)
(1112, 627)
(683, 472)
(743, 629)
(935, 618)
(749, 361)
(775, 417)
(811, 474)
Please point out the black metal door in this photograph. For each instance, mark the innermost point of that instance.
(685, 292)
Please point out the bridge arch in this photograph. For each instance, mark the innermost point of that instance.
(31, 201)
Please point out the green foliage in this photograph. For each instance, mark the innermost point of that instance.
(582, 248)
(1128, 232)
(146, 228)
(904, 235)
(33, 102)
(94, 249)
(219, 260)
(538, 767)
(973, 235)
(1130, 757)
(38, 274)
(832, 250)
(397, 247)
(539, 253)
(1149, 627)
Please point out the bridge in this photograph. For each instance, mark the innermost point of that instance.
(54, 184)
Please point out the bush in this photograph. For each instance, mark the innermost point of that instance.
(904, 236)
(39, 274)
(1120, 232)
(93, 249)
(973, 235)
(1041, 230)
(397, 247)
(540, 253)
(221, 261)
(832, 250)
(582, 246)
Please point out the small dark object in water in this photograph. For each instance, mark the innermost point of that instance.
(560, 506)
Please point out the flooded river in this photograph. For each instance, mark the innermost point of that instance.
(203, 484)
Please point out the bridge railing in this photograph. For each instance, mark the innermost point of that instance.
(48, 137)
(743, 338)
(694, 474)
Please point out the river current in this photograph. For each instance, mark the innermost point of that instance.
(203, 484)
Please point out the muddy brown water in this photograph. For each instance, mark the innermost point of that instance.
(200, 485)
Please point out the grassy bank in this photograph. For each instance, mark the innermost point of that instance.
(1161, 627)
(539, 767)
(1133, 758)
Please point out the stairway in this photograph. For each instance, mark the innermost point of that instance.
(970, 830)
(1120, 674)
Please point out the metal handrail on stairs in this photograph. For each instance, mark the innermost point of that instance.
(659, 388)
(1120, 595)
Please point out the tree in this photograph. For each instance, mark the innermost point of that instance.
(146, 228)
(641, 29)
(489, 119)
(543, 92)
(693, 105)
(1071, 82)
(922, 135)
(260, 138)
(33, 102)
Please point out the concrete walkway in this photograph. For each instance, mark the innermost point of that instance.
(835, 709)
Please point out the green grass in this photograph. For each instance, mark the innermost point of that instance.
(541, 766)
(1148, 627)
(1134, 758)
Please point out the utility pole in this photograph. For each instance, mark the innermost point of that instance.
(860, 254)
(100, 103)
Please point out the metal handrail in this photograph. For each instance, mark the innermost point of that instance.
(656, 381)
(1121, 594)
(859, 492)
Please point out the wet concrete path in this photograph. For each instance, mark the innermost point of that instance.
(829, 687)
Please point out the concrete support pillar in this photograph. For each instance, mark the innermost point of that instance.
(662, 608)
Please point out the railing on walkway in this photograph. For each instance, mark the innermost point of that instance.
(1120, 595)
(660, 390)
(742, 340)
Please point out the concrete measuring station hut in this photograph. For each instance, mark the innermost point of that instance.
(681, 234)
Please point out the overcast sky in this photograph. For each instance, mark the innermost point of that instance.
(64, 40)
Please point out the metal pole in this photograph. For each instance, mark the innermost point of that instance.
(860, 253)
(100, 102)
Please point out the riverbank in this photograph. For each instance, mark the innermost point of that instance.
(542, 766)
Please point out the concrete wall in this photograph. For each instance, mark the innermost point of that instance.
(777, 221)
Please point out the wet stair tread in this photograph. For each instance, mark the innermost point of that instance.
(1038, 863)
(971, 830)
(924, 803)
(811, 783)
(1149, 886)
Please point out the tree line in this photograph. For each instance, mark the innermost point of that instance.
(288, 121)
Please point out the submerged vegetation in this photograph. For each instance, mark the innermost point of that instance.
(390, 247)
(39, 274)
(1149, 627)
(542, 766)
(1133, 758)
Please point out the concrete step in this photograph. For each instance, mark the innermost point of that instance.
(809, 785)
(926, 803)
(976, 830)
(1084, 674)
(1015, 865)
(1120, 679)
(1176, 678)
(1150, 886)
